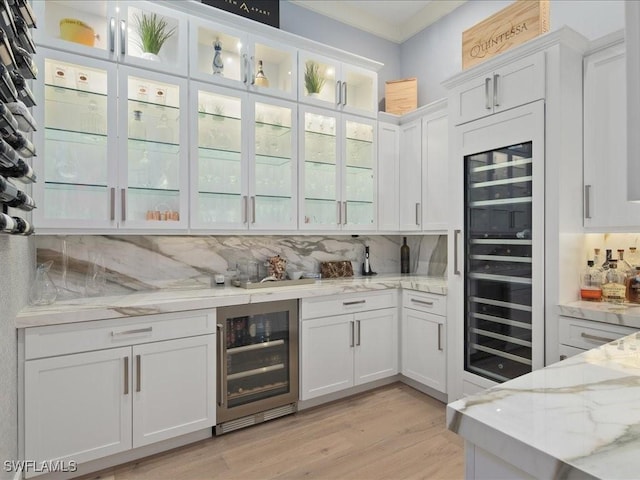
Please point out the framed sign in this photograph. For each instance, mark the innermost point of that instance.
(263, 11)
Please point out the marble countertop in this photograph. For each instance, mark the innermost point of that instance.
(175, 300)
(579, 418)
(627, 314)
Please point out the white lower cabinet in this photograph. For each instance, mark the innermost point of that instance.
(424, 339)
(342, 351)
(577, 335)
(141, 388)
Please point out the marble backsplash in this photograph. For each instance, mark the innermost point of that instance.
(140, 263)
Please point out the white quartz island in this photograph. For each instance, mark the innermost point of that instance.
(579, 418)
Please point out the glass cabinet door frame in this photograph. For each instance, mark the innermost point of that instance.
(39, 161)
(123, 133)
(253, 60)
(115, 36)
(255, 222)
(241, 223)
(334, 95)
(372, 102)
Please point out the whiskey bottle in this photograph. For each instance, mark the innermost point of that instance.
(591, 283)
(614, 288)
(633, 258)
(261, 79)
(633, 289)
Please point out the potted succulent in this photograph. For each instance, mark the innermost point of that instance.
(152, 32)
(313, 81)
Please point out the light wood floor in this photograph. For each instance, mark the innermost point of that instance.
(393, 432)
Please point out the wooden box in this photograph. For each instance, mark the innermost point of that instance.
(401, 96)
(511, 26)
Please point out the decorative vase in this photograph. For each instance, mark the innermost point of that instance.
(150, 56)
(217, 65)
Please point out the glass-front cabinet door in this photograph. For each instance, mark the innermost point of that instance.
(230, 57)
(219, 196)
(153, 173)
(328, 83)
(273, 171)
(321, 202)
(76, 142)
(359, 173)
(117, 31)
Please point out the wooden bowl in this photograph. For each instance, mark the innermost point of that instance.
(77, 31)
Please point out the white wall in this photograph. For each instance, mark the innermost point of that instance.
(434, 54)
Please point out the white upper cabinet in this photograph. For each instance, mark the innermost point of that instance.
(435, 169)
(329, 83)
(388, 176)
(337, 178)
(233, 57)
(519, 82)
(112, 31)
(410, 176)
(632, 40)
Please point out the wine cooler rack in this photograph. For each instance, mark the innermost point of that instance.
(16, 122)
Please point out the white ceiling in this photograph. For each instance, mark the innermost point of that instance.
(394, 20)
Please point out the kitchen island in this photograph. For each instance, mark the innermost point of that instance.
(579, 418)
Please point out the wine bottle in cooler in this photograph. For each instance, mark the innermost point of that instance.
(11, 196)
(15, 225)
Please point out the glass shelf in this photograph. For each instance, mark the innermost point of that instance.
(161, 147)
(72, 136)
(278, 130)
(160, 106)
(320, 164)
(60, 90)
(225, 194)
(320, 134)
(72, 185)
(358, 141)
(219, 154)
(360, 169)
(331, 200)
(277, 197)
(216, 117)
(272, 160)
(153, 190)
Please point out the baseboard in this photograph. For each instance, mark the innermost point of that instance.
(331, 397)
(443, 397)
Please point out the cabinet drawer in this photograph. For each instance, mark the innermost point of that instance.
(99, 334)
(425, 302)
(349, 303)
(587, 334)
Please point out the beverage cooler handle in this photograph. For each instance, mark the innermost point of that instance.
(220, 332)
(456, 270)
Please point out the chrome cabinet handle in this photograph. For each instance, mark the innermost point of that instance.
(244, 208)
(344, 89)
(495, 90)
(221, 337)
(356, 302)
(112, 35)
(587, 201)
(123, 198)
(339, 213)
(338, 92)
(440, 337)
(112, 202)
(245, 67)
(351, 343)
(596, 338)
(344, 222)
(456, 270)
(358, 325)
(487, 105)
(132, 332)
(422, 302)
(126, 375)
(123, 28)
(138, 371)
(253, 209)
(418, 213)
(252, 69)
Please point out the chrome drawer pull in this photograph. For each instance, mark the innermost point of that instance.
(131, 332)
(596, 338)
(138, 374)
(126, 375)
(440, 337)
(421, 302)
(357, 302)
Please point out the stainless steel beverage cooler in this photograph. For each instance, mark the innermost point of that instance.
(257, 363)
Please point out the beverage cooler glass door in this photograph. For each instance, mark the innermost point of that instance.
(258, 358)
(498, 201)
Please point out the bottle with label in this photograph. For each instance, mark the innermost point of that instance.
(607, 261)
(15, 225)
(261, 78)
(591, 283)
(404, 256)
(13, 197)
(633, 258)
(633, 289)
(614, 288)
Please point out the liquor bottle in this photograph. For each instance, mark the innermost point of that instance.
(404, 256)
(13, 197)
(138, 127)
(20, 171)
(22, 116)
(591, 283)
(623, 265)
(607, 262)
(261, 79)
(25, 64)
(21, 144)
(8, 92)
(597, 261)
(15, 225)
(217, 66)
(614, 288)
(22, 9)
(633, 289)
(633, 258)
(23, 35)
(23, 92)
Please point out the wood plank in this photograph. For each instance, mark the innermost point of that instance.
(394, 432)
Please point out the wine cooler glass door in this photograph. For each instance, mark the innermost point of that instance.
(498, 219)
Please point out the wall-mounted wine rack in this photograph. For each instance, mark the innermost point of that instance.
(16, 123)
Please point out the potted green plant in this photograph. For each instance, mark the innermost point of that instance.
(152, 31)
(313, 81)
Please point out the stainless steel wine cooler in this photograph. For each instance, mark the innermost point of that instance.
(257, 363)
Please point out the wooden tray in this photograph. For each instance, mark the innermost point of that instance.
(275, 283)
